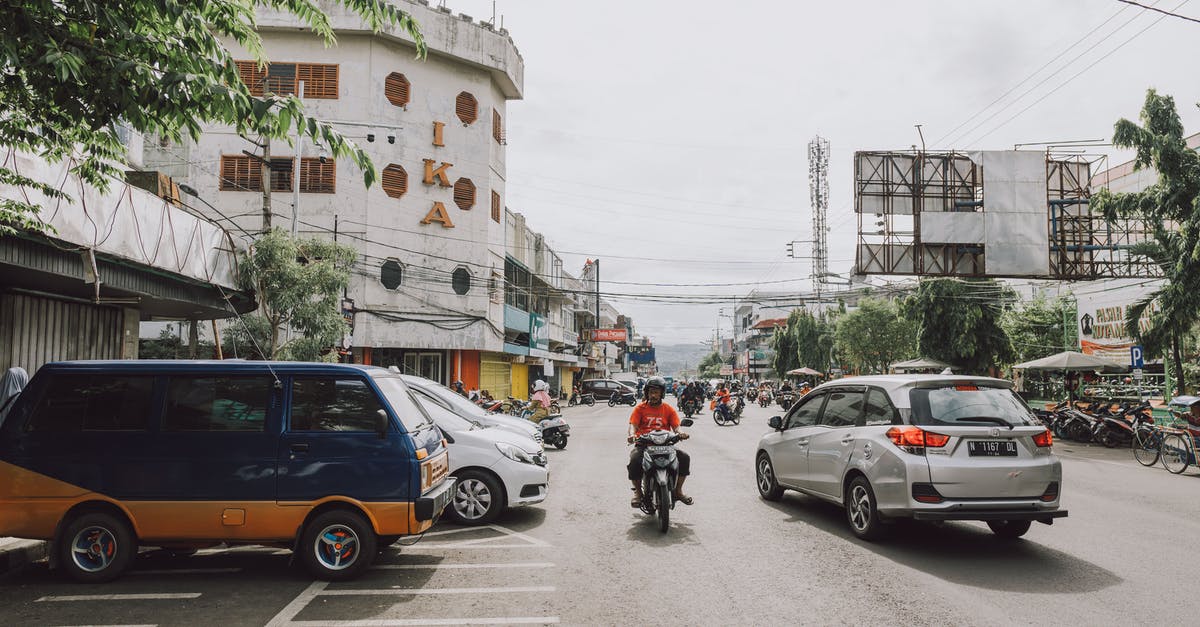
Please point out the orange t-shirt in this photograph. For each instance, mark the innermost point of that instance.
(646, 418)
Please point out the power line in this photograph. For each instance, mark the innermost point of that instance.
(1150, 8)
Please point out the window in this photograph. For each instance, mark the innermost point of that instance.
(842, 409)
(495, 207)
(878, 409)
(467, 108)
(391, 274)
(968, 405)
(498, 128)
(241, 173)
(461, 281)
(217, 403)
(396, 89)
(402, 402)
(516, 285)
(427, 365)
(77, 402)
(464, 194)
(805, 414)
(330, 404)
(320, 79)
(394, 180)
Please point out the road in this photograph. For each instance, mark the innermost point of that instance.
(585, 557)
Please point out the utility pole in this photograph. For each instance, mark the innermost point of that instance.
(296, 172)
(266, 182)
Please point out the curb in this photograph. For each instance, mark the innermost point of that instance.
(15, 554)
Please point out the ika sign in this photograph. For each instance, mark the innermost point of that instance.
(608, 335)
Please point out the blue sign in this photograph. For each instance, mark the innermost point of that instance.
(1137, 357)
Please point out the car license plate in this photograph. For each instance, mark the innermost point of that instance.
(992, 448)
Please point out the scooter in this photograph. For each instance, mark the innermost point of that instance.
(690, 407)
(1117, 430)
(764, 398)
(585, 398)
(660, 470)
(723, 413)
(785, 399)
(555, 431)
(622, 398)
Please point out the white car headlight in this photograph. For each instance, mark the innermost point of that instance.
(515, 453)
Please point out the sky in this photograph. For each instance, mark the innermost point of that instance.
(669, 139)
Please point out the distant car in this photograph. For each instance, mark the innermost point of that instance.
(447, 398)
(604, 388)
(928, 447)
(496, 469)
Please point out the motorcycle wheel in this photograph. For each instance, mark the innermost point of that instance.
(718, 418)
(612, 402)
(589, 402)
(561, 442)
(664, 507)
(737, 420)
(1108, 438)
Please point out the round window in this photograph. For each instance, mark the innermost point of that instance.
(391, 273)
(461, 281)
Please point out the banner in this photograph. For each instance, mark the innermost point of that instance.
(1101, 317)
(608, 335)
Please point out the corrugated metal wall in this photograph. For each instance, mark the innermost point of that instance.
(35, 330)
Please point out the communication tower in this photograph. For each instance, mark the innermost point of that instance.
(818, 191)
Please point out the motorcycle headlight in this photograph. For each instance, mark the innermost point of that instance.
(515, 453)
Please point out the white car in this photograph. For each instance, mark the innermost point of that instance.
(447, 398)
(496, 469)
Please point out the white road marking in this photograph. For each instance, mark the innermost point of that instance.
(187, 571)
(1092, 459)
(399, 622)
(461, 566)
(447, 547)
(446, 532)
(401, 591)
(517, 534)
(120, 597)
(298, 604)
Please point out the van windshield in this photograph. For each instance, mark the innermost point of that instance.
(968, 405)
(411, 416)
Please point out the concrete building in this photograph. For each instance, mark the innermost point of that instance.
(450, 284)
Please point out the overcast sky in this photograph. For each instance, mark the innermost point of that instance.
(669, 139)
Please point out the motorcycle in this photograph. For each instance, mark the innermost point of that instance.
(622, 398)
(660, 467)
(785, 399)
(764, 398)
(555, 431)
(1117, 430)
(739, 405)
(690, 407)
(723, 413)
(514, 406)
(586, 398)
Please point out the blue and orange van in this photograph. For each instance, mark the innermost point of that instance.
(332, 461)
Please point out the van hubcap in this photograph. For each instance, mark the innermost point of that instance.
(337, 547)
(93, 549)
(860, 507)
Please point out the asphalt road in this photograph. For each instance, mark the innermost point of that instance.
(1128, 553)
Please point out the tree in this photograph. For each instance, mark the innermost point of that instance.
(74, 71)
(710, 366)
(958, 321)
(1037, 328)
(874, 336)
(1171, 208)
(170, 345)
(783, 343)
(298, 283)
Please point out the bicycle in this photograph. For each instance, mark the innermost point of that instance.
(1174, 445)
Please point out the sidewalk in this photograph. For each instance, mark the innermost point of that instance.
(15, 553)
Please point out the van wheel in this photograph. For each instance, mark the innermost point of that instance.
(861, 511)
(478, 499)
(768, 488)
(337, 545)
(96, 547)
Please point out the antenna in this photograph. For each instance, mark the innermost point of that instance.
(818, 192)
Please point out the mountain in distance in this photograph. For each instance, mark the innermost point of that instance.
(672, 358)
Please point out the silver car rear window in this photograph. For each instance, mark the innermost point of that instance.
(968, 405)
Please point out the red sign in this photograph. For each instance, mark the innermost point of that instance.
(608, 335)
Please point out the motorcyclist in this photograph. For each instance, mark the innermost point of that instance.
(720, 397)
(652, 415)
(458, 388)
(692, 394)
(539, 401)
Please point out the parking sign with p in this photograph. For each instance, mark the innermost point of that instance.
(1136, 357)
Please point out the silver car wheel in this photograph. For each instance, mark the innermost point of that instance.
(765, 475)
(860, 508)
(472, 499)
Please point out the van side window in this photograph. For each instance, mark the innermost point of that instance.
(333, 404)
(879, 410)
(89, 402)
(228, 403)
(842, 409)
(804, 413)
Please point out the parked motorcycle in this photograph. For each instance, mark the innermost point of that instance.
(660, 467)
(585, 398)
(1117, 430)
(622, 398)
(555, 431)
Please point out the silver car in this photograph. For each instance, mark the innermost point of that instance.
(929, 447)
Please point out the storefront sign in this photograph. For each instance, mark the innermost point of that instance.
(1101, 319)
(608, 335)
(539, 332)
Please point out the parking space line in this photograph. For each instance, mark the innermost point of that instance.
(120, 597)
(186, 571)
(446, 547)
(461, 566)
(517, 534)
(400, 622)
(298, 604)
(402, 591)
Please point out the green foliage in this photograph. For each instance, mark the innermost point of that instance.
(72, 71)
(872, 337)
(710, 366)
(1171, 207)
(958, 322)
(298, 283)
(1037, 328)
(783, 342)
(169, 345)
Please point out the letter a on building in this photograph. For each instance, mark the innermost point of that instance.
(438, 214)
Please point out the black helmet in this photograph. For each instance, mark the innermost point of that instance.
(658, 382)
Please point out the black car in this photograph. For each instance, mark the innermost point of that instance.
(603, 388)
